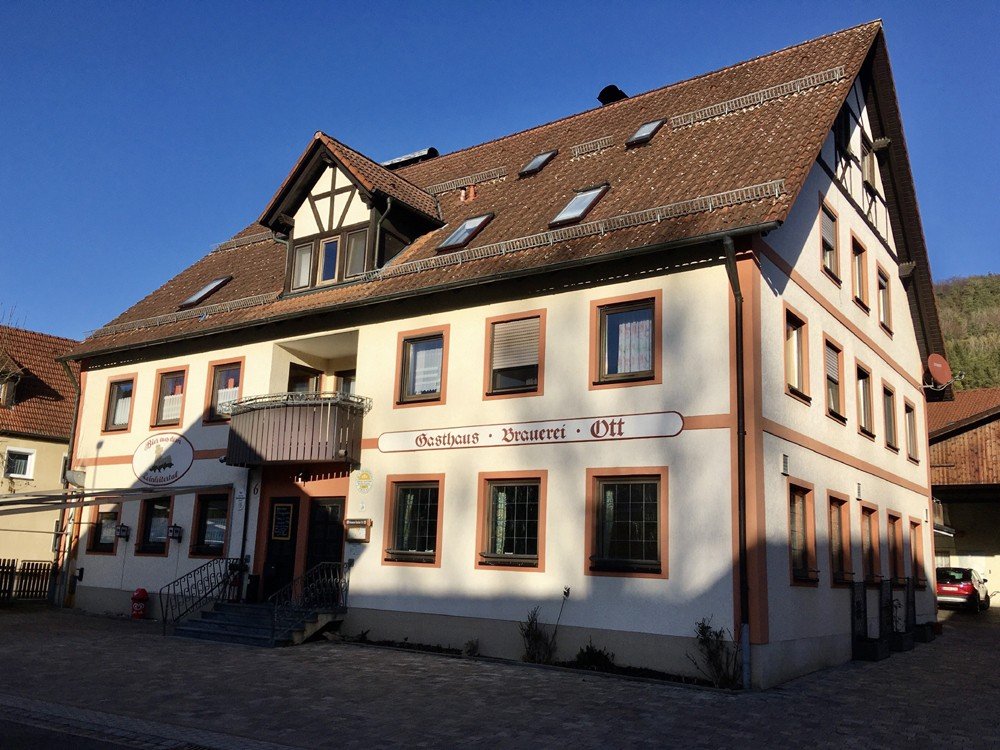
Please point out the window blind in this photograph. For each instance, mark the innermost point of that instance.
(515, 343)
(832, 363)
(829, 228)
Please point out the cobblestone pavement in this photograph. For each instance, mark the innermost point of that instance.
(123, 682)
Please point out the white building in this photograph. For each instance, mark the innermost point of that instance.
(543, 333)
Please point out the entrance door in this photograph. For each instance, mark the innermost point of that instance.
(326, 531)
(279, 566)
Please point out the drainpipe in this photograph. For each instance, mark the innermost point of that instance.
(245, 573)
(741, 458)
(378, 229)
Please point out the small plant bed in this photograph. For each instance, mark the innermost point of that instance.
(590, 658)
(362, 638)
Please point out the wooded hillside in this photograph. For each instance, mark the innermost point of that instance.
(970, 321)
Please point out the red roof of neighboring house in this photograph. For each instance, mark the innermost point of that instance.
(968, 406)
(44, 398)
(762, 140)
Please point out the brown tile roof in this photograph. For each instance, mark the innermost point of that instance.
(44, 398)
(777, 140)
(968, 406)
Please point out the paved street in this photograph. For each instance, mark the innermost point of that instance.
(124, 683)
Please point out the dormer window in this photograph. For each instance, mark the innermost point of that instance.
(205, 292)
(7, 385)
(328, 260)
(579, 205)
(537, 163)
(644, 134)
(465, 232)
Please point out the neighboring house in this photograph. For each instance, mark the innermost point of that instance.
(37, 399)
(525, 365)
(965, 476)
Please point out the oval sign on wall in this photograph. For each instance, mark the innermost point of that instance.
(162, 459)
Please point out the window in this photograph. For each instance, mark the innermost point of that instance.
(840, 539)
(511, 522)
(205, 292)
(628, 341)
(415, 522)
(302, 266)
(859, 273)
(302, 379)
(629, 525)
(515, 355)
(917, 553)
(870, 565)
(8, 384)
(910, 414)
(154, 518)
(119, 407)
(211, 517)
(225, 389)
(346, 380)
(868, 168)
(865, 420)
(884, 301)
(828, 232)
(842, 134)
(796, 364)
(644, 134)
(537, 163)
(328, 260)
(357, 248)
(422, 368)
(832, 361)
(889, 416)
(170, 398)
(102, 531)
(895, 540)
(19, 463)
(465, 232)
(802, 534)
(579, 205)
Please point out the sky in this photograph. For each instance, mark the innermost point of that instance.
(134, 136)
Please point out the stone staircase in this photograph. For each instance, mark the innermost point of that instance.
(251, 624)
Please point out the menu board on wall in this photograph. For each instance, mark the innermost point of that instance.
(281, 521)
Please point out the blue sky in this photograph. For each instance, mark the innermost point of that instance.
(137, 135)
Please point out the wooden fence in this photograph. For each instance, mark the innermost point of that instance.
(31, 581)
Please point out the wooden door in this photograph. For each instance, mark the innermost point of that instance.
(282, 533)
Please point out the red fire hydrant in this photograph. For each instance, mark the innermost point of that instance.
(139, 599)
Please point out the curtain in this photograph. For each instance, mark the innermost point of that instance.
(499, 522)
(425, 366)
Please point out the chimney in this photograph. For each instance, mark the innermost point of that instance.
(611, 94)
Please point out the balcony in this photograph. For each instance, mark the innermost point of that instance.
(296, 427)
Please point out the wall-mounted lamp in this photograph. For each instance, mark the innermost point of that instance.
(175, 532)
(122, 531)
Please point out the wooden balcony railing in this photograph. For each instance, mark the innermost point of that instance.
(296, 427)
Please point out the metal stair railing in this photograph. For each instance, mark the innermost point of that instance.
(216, 581)
(322, 588)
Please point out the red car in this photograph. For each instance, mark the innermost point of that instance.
(962, 587)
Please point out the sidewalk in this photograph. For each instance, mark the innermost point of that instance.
(59, 666)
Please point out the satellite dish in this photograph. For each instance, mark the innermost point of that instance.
(939, 370)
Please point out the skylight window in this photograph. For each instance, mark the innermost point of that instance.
(579, 205)
(468, 229)
(536, 163)
(205, 292)
(644, 134)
